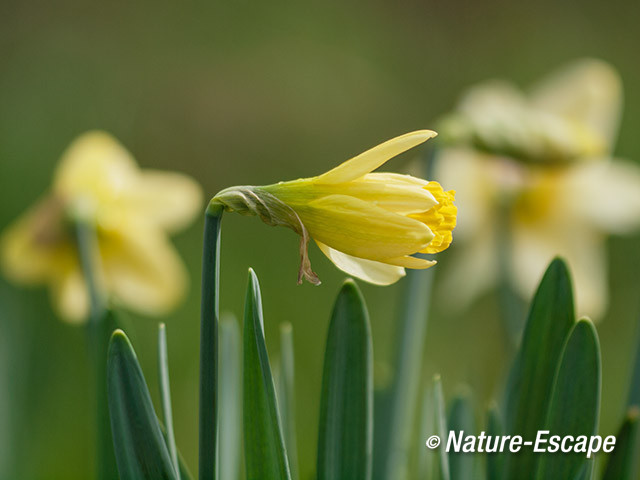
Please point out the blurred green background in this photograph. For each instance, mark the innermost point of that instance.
(252, 93)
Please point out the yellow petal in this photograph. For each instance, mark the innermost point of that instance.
(368, 270)
(142, 270)
(606, 194)
(35, 246)
(69, 295)
(362, 229)
(399, 197)
(410, 262)
(394, 178)
(582, 248)
(166, 199)
(587, 92)
(371, 159)
(96, 166)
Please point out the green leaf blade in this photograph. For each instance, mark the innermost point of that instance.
(461, 418)
(622, 463)
(286, 396)
(346, 405)
(140, 448)
(530, 383)
(265, 454)
(575, 401)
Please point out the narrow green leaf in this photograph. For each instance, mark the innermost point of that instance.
(531, 378)
(165, 394)
(575, 401)
(634, 390)
(230, 414)
(433, 463)
(286, 396)
(494, 430)
(394, 446)
(346, 404)
(427, 427)
(140, 448)
(461, 418)
(442, 430)
(184, 472)
(208, 422)
(622, 463)
(264, 450)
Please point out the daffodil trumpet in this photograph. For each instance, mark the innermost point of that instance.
(369, 224)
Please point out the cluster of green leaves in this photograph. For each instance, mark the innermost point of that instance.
(554, 384)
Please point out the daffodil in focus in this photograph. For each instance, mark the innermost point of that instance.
(370, 225)
(537, 168)
(132, 212)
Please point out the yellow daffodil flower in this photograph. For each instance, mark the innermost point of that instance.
(368, 224)
(132, 211)
(563, 203)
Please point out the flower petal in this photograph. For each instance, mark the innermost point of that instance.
(363, 229)
(410, 262)
(69, 295)
(95, 165)
(142, 270)
(606, 194)
(166, 199)
(371, 159)
(580, 246)
(35, 246)
(367, 270)
(588, 92)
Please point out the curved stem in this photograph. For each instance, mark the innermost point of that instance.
(208, 450)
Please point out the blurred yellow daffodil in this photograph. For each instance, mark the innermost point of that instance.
(132, 211)
(546, 181)
(368, 224)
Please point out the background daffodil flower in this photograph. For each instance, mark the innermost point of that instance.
(368, 224)
(546, 182)
(132, 211)
(572, 115)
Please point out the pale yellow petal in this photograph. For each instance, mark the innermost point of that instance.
(166, 199)
(142, 270)
(96, 166)
(399, 196)
(606, 194)
(371, 159)
(394, 178)
(587, 92)
(471, 270)
(70, 297)
(410, 262)
(479, 181)
(582, 248)
(35, 246)
(368, 270)
(362, 229)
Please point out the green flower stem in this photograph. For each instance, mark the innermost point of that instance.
(88, 253)
(99, 329)
(209, 344)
